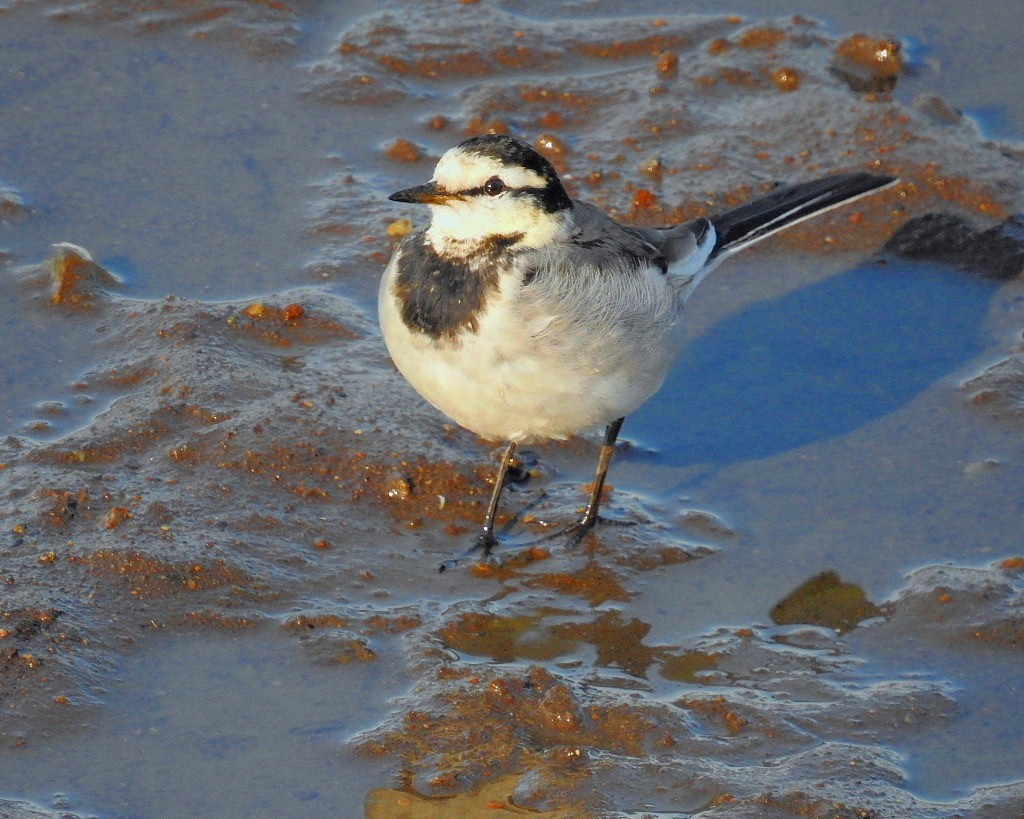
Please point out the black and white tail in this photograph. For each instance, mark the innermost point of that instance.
(694, 249)
(742, 226)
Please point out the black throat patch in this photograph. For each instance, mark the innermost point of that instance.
(443, 297)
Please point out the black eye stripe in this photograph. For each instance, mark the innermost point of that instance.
(479, 191)
(551, 198)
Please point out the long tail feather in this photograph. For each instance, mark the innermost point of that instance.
(783, 208)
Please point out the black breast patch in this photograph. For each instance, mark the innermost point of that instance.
(442, 297)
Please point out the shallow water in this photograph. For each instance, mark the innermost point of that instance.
(978, 745)
(817, 411)
(226, 725)
(815, 363)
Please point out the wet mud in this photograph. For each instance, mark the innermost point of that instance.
(256, 461)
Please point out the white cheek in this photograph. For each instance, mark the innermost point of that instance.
(462, 223)
(473, 221)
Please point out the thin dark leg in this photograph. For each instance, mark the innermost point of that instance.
(577, 531)
(603, 462)
(486, 541)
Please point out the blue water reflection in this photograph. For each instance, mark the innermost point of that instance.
(814, 364)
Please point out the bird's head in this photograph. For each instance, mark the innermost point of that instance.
(491, 187)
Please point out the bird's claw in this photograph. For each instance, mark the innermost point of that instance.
(573, 535)
(485, 543)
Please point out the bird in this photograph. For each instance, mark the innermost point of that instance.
(525, 315)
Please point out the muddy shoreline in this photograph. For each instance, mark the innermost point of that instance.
(256, 464)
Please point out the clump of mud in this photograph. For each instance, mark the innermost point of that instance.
(722, 727)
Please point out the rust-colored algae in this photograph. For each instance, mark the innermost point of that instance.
(488, 635)
(551, 119)
(410, 490)
(76, 280)
(391, 624)
(644, 199)
(467, 62)
(868, 64)
(66, 505)
(217, 620)
(403, 150)
(594, 583)
(667, 63)
(762, 38)
(565, 98)
(652, 44)
(552, 148)
(688, 667)
(786, 79)
(37, 646)
(478, 125)
(491, 799)
(928, 186)
(719, 45)
(618, 642)
(647, 559)
(354, 650)
(12, 206)
(146, 576)
(289, 324)
(719, 710)
(116, 515)
(494, 726)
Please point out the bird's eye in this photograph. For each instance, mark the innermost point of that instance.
(494, 186)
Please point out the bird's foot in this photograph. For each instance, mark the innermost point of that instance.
(483, 548)
(574, 533)
(484, 544)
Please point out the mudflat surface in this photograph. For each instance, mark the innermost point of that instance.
(222, 511)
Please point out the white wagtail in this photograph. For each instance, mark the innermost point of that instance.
(525, 315)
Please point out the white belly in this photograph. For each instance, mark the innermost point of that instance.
(531, 372)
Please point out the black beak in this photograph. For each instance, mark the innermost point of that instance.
(426, 194)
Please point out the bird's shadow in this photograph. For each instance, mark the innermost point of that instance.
(815, 363)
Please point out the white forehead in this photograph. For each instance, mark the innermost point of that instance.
(459, 170)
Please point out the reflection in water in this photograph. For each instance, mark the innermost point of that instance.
(815, 364)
